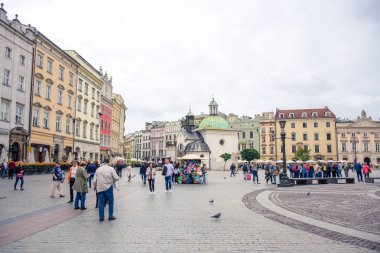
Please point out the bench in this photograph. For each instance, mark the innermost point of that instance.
(306, 181)
(337, 180)
(371, 179)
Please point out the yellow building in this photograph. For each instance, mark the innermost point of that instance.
(267, 141)
(54, 97)
(313, 129)
(87, 135)
(118, 118)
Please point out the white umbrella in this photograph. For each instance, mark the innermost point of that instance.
(310, 161)
(3, 155)
(331, 161)
(119, 158)
(299, 161)
(279, 161)
(70, 158)
(289, 161)
(31, 156)
(47, 160)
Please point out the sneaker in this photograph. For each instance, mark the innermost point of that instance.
(61, 196)
(101, 219)
(112, 218)
(153, 193)
(15, 189)
(76, 208)
(84, 208)
(23, 188)
(52, 196)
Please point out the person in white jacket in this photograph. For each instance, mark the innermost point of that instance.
(151, 175)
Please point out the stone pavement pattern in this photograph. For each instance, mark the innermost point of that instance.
(166, 222)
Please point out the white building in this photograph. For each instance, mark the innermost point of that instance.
(210, 140)
(172, 130)
(16, 64)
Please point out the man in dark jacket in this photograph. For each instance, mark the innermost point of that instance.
(58, 178)
(232, 169)
(91, 169)
(12, 166)
(143, 172)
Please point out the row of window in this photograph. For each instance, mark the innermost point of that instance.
(105, 125)
(294, 149)
(356, 146)
(365, 135)
(84, 128)
(305, 137)
(5, 111)
(244, 146)
(105, 140)
(243, 135)
(85, 107)
(9, 55)
(86, 86)
(49, 69)
(8, 82)
(305, 115)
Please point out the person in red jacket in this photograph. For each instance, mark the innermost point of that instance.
(12, 166)
(366, 170)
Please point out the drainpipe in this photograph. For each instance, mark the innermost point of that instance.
(31, 98)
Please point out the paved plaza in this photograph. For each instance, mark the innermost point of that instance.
(255, 218)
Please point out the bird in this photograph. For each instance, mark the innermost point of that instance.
(225, 178)
(211, 201)
(308, 194)
(216, 216)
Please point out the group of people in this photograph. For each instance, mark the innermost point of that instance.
(302, 170)
(148, 172)
(82, 176)
(10, 170)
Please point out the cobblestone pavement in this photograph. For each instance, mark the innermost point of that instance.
(166, 222)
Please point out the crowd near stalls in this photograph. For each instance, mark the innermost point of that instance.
(306, 169)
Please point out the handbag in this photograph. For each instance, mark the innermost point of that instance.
(164, 171)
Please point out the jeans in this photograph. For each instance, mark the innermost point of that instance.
(291, 172)
(339, 173)
(151, 185)
(168, 182)
(366, 174)
(22, 181)
(90, 179)
(255, 175)
(232, 173)
(10, 174)
(82, 197)
(272, 178)
(72, 180)
(103, 197)
(311, 174)
(3, 172)
(143, 178)
(346, 173)
(359, 175)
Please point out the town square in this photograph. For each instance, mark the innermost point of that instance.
(189, 126)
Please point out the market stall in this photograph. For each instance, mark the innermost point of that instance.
(191, 170)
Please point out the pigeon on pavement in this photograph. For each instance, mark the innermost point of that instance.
(216, 216)
(211, 201)
(308, 194)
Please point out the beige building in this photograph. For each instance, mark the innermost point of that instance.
(267, 141)
(312, 129)
(172, 130)
(359, 139)
(118, 120)
(54, 99)
(128, 146)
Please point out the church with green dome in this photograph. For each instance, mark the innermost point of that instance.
(212, 138)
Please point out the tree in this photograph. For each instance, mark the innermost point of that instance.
(250, 154)
(226, 157)
(302, 154)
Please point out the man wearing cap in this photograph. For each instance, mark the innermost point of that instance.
(105, 178)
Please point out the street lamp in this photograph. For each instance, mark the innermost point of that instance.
(284, 179)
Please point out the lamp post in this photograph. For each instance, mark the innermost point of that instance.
(284, 179)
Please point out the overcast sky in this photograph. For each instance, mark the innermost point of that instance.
(254, 56)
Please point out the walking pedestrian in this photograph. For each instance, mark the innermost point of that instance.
(366, 170)
(119, 167)
(4, 168)
(340, 168)
(80, 186)
(176, 173)
(105, 178)
(129, 172)
(151, 174)
(272, 173)
(91, 169)
(255, 173)
(232, 169)
(143, 172)
(267, 175)
(11, 169)
(168, 172)
(71, 179)
(358, 169)
(346, 169)
(19, 177)
(58, 178)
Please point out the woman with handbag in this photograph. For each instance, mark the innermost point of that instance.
(151, 174)
(80, 186)
(19, 177)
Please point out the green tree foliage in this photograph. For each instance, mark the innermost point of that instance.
(302, 154)
(226, 157)
(250, 154)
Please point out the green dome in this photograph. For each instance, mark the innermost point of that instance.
(214, 122)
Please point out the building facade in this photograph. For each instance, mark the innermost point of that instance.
(311, 129)
(137, 142)
(267, 141)
(54, 100)
(359, 140)
(16, 61)
(105, 118)
(157, 140)
(128, 146)
(172, 130)
(118, 120)
(86, 126)
(145, 149)
(248, 130)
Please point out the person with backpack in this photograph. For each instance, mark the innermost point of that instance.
(19, 177)
(232, 169)
(91, 169)
(358, 168)
(167, 171)
(143, 172)
(58, 179)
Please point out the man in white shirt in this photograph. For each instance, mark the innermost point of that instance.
(105, 177)
(168, 175)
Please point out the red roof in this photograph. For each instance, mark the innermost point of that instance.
(305, 113)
